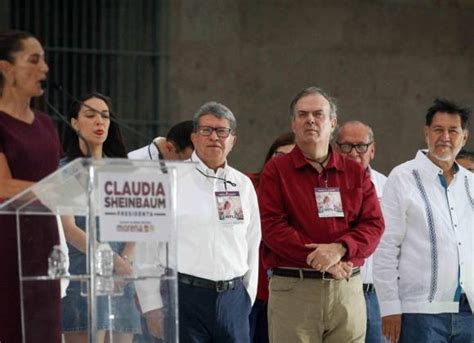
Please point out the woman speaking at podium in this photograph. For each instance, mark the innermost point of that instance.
(29, 151)
(97, 136)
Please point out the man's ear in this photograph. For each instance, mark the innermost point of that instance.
(170, 147)
(372, 153)
(426, 131)
(466, 136)
(193, 138)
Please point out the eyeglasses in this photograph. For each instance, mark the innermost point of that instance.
(347, 148)
(222, 132)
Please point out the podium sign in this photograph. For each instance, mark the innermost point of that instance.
(134, 207)
(116, 203)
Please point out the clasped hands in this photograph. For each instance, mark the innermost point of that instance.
(327, 258)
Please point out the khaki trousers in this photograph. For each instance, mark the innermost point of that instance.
(316, 311)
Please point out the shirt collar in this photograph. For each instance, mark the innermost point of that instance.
(429, 167)
(299, 161)
(205, 169)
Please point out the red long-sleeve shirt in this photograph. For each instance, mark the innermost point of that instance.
(289, 213)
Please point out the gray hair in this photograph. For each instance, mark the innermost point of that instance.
(370, 132)
(217, 110)
(315, 90)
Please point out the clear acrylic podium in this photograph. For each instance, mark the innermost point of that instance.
(119, 202)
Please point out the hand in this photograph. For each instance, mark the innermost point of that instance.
(391, 326)
(155, 323)
(122, 266)
(341, 270)
(324, 256)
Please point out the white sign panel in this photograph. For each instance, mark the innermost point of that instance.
(134, 207)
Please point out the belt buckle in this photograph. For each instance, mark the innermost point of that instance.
(323, 277)
(220, 286)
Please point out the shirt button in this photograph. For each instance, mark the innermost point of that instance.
(452, 208)
(459, 243)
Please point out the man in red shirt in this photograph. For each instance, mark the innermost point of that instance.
(314, 251)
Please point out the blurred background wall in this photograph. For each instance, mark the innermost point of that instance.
(383, 60)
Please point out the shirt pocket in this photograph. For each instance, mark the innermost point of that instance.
(351, 203)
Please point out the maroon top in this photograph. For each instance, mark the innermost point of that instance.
(290, 217)
(32, 151)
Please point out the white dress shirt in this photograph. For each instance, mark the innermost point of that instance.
(428, 243)
(378, 179)
(206, 248)
(148, 152)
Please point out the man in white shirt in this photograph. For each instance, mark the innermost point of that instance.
(176, 146)
(424, 265)
(218, 236)
(356, 140)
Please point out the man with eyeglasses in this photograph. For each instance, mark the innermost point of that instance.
(424, 265)
(218, 233)
(356, 140)
(314, 251)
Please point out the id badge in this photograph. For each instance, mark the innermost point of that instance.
(229, 207)
(328, 202)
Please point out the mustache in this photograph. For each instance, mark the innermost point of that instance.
(444, 144)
